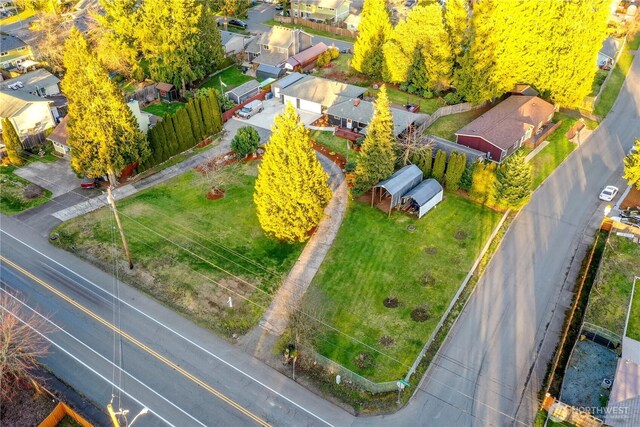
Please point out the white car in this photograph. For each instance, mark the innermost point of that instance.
(608, 193)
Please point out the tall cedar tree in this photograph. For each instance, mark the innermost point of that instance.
(291, 189)
(186, 138)
(438, 165)
(196, 120)
(12, 142)
(467, 177)
(377, 157)
(423, 159)
(421, 40)
(373, 32)
(513, 184)
(483, 183)
(216, 110)
(207, 115)
(116, 46)
(456, 18)
(632, 166)
(455, 169)
(169, 125)
(103, 132)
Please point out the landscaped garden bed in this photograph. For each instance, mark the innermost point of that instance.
(17, 194)
(387, 281)
(192, 253)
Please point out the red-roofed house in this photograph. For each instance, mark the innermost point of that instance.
(506, 127)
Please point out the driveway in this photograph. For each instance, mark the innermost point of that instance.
(56, 177)
(273, 107)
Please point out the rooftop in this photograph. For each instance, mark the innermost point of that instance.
(279, 37)
(270, 58)
(60, 133)
(245, 87)
(323, 91)
(30, 82)
(623, 409)
(13, 102)
(363, 113)
(307, 54)
(9, 42)
(449, 147)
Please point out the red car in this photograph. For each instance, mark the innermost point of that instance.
(89, 182)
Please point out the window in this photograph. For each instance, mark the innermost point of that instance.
(4, 53)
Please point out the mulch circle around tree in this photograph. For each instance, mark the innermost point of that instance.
(215, 194)
(420, 314)
(461, 234)
(387, 341)
(428, 280)
(364, 361)
(391, 302)
(431, 250)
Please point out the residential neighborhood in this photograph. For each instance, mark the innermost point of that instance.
(320, 212)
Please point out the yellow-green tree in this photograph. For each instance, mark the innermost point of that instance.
(483, 183)
(291, 189)
(103, 133)
(12, 142)
(456, 17)
(513, 182)
(632, 166)
(377, 157)
(373, 32)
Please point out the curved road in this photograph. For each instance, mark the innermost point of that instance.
(487, 373)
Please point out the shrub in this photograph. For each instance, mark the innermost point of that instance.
(466, 179)
(227, 104)
(452, 98)
(438, 165)
(427, 94)
(334, 52)
(350, 167)
(245, 142)
(320, 62)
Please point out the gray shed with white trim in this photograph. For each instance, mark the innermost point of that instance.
(424, 197)
(398, 184)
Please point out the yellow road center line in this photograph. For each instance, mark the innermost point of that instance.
(138, 343)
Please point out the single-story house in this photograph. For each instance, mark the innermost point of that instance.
(232, 43)
(59, 137)
(608, 52)
(284, 83)
(29, 114)
(449, 147)
(355, 115)
(13, 51)
(352, 22)
(506, 127)
(265, 71)
(423, 197)
(39, 83)
(244, 91)
(316, 94)
(166, 92)
(306, 58)
(397, 185)
(333, 11)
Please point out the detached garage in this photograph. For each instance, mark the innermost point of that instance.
(423, 197)
(285, 82)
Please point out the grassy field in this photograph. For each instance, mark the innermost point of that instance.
(610, 296)
(310, 30)
(232, 77)
(337, 144)
(447, 126)
(611, 90)
(159, 109)
(192, 253)
(375, 257)
(17, 194)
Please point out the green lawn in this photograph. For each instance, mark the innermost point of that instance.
(375, 257)
(446, 126)
(611, 90)
(321, 33)
(17, 194)
(633, 328)
(399, 97)
(232, 77)
(159, 109)
(634, 43)
(181, 241)
(337, 144)
(610, 296)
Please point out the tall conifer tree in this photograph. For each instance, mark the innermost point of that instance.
(513, 184)
(373, 32)
(12, 142)
(439, 165)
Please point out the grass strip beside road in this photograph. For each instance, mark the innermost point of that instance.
(614, 84)
(17, 194)
(313, 31)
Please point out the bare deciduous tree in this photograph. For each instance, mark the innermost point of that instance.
(412, 144)
(20, 344)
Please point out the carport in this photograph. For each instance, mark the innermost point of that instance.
(397, 185)
(423, 197)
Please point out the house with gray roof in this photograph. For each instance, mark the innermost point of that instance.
(13, 51)
(39, 83)
(28, 113)
(356, 114)
(244, 91)
(233, 43)
(275, 46)
(316, 94)
(608, 52)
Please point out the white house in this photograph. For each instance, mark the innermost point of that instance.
(316, 94)
(321, 10)
(28, 113)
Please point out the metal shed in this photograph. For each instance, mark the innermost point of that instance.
(244, 91)
(398, 185)
(265, 71)
(424, 196)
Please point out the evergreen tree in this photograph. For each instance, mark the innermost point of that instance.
(373, 32)
(170, 130)
(483, 183)
(377, 157)
(467, 177)
(103, 133)
(216, 111)
(456, 17)
(513, 184)
(291, 189)
(12, 142)
(423, 159)
(438, 165)
(245, 142)
(161, 143)
(632, 166)
(186, 138)
(208, 44)
(207, 115)
(116, 45)
(455, 169)
(196, 120)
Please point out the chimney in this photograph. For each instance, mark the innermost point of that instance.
(356, 102)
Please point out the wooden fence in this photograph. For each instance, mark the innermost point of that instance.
(316, 26)
(59, 412)
(229, 113)
(451, 109)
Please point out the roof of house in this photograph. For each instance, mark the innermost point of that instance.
(508, 121)
(625, 396)
(9, 42)
(60, 133)
(323, 91)
(30, 81)
(270, 58)
(253, 46)
(12, 102)
(166, 87)
(363, 113)
(327, 4)
(449, 147)
(307, 55)
(400, 182)
(609, 47)
(424, 191)
(279, 37)
(524, 89)
(245, 88)
(226, 36)
(288, 80)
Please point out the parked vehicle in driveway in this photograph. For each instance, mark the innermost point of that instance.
(250, 110)
(237, 23)
(608, 193)
(89, 182)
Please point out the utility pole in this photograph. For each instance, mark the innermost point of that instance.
(112, 202)
(112, 414)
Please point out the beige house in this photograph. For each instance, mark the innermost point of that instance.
(28, 113)
(330, 11)
(352, 22)
(276, 45)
